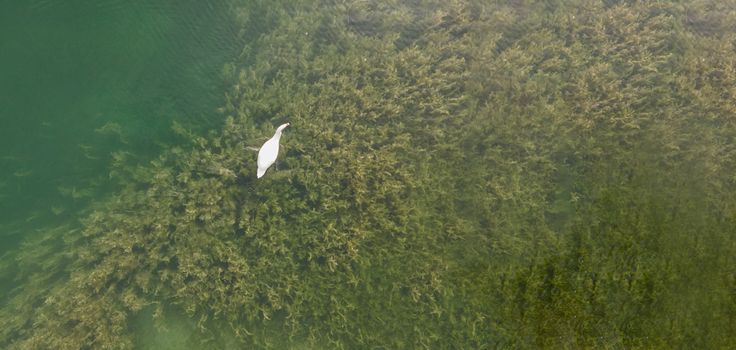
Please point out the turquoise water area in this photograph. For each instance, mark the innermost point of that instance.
(80, 80)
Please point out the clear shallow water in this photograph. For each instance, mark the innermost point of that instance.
(82, 79)
(457, 175)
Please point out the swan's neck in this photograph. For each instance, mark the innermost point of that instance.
(281, 128)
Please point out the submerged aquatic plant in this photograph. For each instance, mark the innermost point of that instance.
(464, 175)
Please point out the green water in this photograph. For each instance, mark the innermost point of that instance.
(80, 80)
(457, 175)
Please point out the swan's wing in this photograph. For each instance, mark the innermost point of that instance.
(267, 154)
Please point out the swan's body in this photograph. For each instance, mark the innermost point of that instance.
(269, 151)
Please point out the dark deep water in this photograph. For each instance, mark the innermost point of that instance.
(457, 174)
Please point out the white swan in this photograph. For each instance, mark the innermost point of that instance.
(269, 151)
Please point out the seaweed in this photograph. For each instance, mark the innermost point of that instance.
(458, 175)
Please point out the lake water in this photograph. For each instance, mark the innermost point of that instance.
(82, 80)
(470, 174)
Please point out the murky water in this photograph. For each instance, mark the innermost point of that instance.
(467, 174)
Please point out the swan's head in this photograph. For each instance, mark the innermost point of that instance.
(282, 127)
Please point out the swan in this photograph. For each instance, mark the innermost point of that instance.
(269, 151)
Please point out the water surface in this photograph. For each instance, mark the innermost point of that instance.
(82, 79)
(470, 174)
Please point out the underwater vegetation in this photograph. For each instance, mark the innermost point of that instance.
(458, 174)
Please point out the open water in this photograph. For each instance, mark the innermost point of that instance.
(80, 80)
